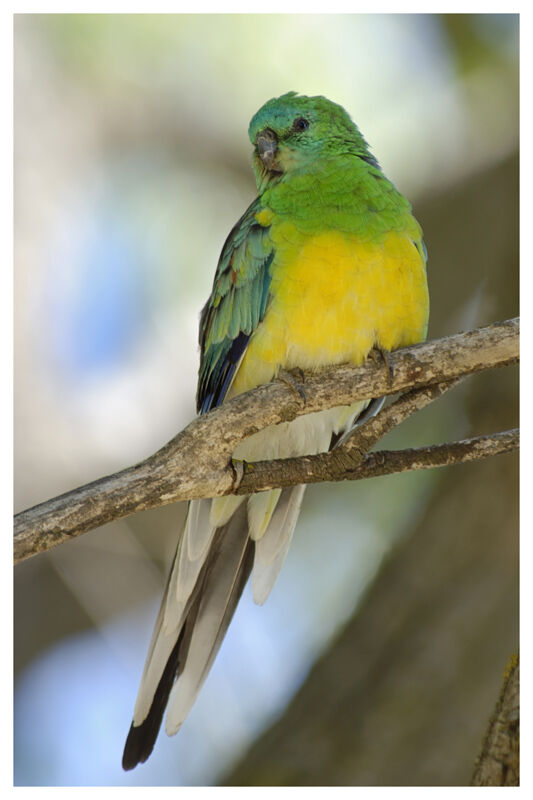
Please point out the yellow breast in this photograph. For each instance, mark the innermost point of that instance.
(333, 298)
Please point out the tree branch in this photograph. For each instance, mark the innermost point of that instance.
(498, 764)
(327, 467)
(197, 462)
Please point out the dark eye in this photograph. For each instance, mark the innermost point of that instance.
(300, 124)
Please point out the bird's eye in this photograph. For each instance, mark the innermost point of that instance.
(300, 124)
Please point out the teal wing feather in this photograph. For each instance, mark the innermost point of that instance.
(235, 307)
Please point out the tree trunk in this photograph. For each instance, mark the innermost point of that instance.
(498, 763)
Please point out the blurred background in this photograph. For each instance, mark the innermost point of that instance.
(378, 657)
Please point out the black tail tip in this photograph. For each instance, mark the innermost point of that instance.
(141, 738)
(137, 748)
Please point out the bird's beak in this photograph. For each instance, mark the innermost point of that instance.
(267, 149)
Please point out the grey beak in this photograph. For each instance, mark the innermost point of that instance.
(267, 147)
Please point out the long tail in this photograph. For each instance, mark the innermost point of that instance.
(188, 632)
(194, 638)
(222, 541)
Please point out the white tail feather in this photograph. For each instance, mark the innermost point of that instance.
(163, 639)
(222, 509)
(260, 509)
(284, 517)
(272, 548)
(220, 593)
(265, 576)
(192, 550)
(198, 532)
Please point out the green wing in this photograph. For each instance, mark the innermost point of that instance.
(235, 308)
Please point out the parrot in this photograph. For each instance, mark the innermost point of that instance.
(326, 265)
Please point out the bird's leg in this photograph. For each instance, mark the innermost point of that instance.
(294, 379)
(379, 353)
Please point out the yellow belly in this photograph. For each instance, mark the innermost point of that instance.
(333, 298)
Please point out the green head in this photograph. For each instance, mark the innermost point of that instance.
(295, 132)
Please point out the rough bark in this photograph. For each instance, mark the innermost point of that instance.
(498, 763)
(197, 462)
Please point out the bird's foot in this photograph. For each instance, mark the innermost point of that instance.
(380, 354)
(239, 468)
(294, 379)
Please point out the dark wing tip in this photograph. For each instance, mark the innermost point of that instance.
(213, 387)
